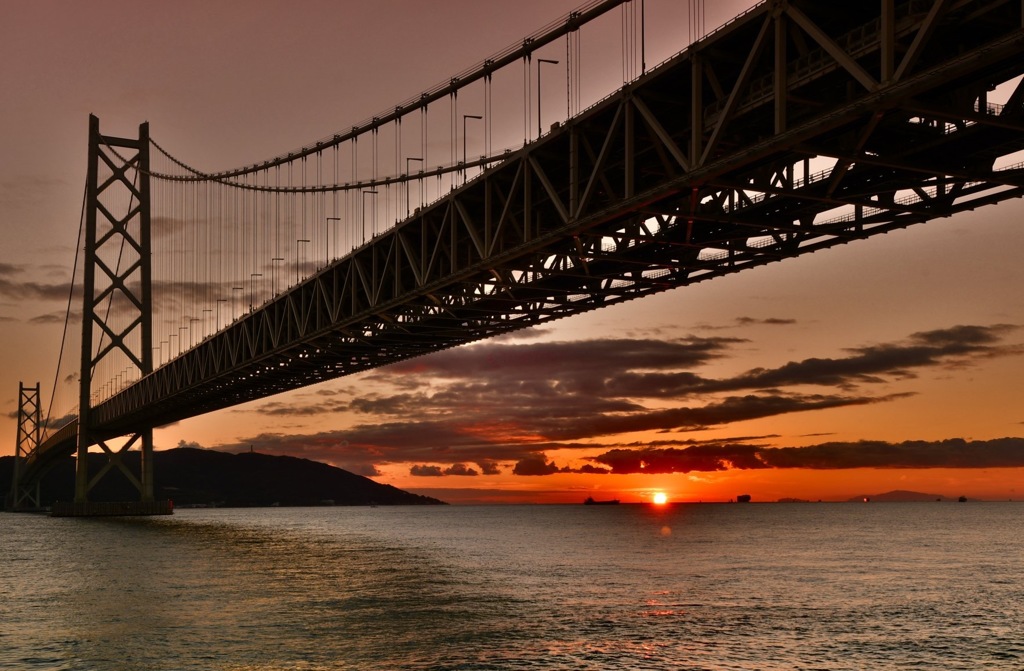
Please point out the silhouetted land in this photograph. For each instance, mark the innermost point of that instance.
(190, 476)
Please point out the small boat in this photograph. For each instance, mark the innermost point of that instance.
(589, 501)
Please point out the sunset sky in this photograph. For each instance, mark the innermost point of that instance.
(891, 363)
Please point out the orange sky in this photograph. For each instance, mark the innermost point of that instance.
(912, 336)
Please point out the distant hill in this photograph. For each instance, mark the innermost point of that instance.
(190, 476)
(900, 495)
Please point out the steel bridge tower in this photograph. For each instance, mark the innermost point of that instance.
(117, 306)
(29, 431)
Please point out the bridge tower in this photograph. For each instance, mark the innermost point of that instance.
(29, 429)
(117, 306)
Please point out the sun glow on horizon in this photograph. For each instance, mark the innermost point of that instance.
(660, 498)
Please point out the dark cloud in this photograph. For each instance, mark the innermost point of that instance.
(579, 364)
(744, 322)
(35, 291)
(489, 467)
(58, 422)
(500, 403)
(426, 471)
(57, 317)
(539, 465)
(280, 408)
(953, 453)
(535, 466)
(770, 321)
(376, 404)
(437, 471)
(874, 363)
(523, 334)
(460, 469)
(684, 460)
(728, 410)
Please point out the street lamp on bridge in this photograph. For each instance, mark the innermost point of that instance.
(407, 159)
(366, 192)
(252, 288)
(298, 258)
(539, 61)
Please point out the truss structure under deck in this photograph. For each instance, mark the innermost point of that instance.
(799, 126)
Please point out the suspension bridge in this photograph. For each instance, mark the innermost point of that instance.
(795, 127)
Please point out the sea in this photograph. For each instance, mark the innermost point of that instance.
(545, 587)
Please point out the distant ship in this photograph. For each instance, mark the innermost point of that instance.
(591, 502)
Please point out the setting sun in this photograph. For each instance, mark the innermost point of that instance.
(660, 498)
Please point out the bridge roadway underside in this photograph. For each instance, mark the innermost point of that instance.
(700, 168)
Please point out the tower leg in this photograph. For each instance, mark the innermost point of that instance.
(147, 465)
(82, 467)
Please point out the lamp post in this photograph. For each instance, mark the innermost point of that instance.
(327, 230)
(464, 117)
(298, 258)
(407, 159)
(539, 61)
(219, 301)
(252, 288)
(366, 192)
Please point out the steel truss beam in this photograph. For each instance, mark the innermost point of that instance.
(700, 168)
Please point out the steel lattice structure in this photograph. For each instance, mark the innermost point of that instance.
(699, 168)
(26, 495)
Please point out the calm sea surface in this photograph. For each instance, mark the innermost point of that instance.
(758, 586)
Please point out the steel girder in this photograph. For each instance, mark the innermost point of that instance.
(700, 168)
